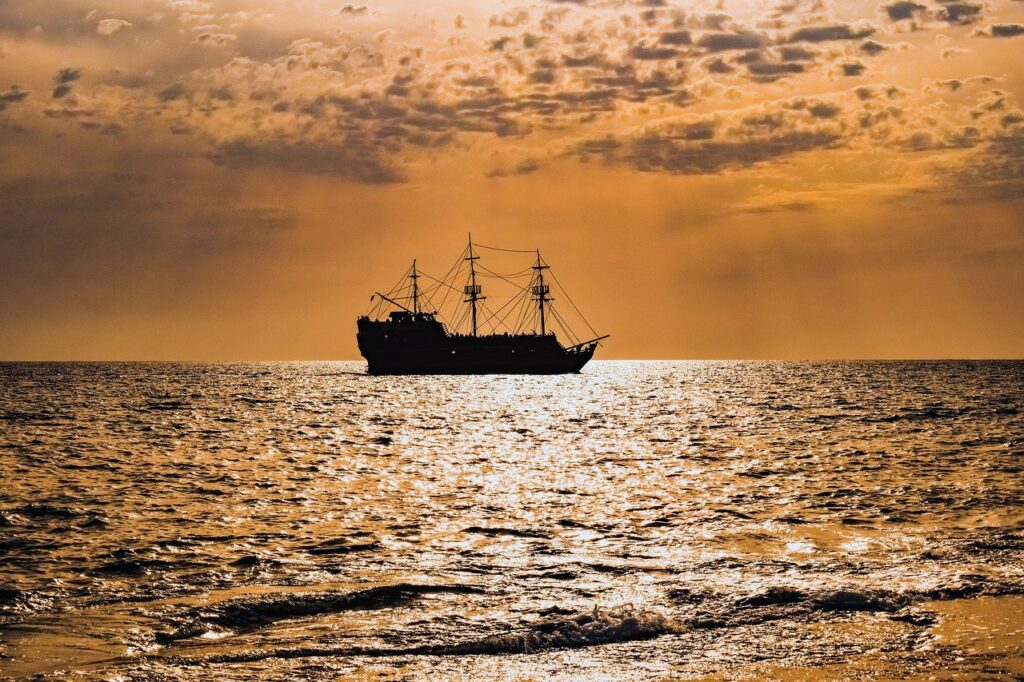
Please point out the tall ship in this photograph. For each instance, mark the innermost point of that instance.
(435, 326)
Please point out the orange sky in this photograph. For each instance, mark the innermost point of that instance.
(232, 179)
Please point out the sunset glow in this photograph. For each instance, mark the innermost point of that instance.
(232, 179)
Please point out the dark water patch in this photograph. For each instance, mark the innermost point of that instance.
(253, 400)
(165, 405)
(342, 546)
(136, 567)
(915, 414)
(95, 522)
(736, 513)
(10, 519)
(45, 511)
(22, 417)
(253, 561)
(554, 574)
(791, 604)
(514, 532)
(262, 610)
(15, 603)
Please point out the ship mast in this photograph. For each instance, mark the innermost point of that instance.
(472, 289)
(540, 291)
(415, 289)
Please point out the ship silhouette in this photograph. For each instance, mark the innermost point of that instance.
(405, 332)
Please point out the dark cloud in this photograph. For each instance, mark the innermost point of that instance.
(852, 68)
(652, 53)
(216, 39)
(701, 130)
(824, 110)
(498, 44)
(718, 65)
(522, 168)
(830, 32)
(12, 96)
(668, 152)
(872, 47)
(676, 38)
(904, 9)
(356, 158)
(995, 173)
(719, 42)
(67, 76)
(542, 76)
(1006, 30)
(223, 93)
(959, 12)
(794, 53)
(590, 60)
(61, 90)
(773, 70)
(172, 92)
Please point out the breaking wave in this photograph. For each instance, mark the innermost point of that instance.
(596, 628)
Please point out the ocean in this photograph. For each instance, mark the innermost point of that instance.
(641, 520)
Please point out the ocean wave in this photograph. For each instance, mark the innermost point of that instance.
(262, 610)
(595, 628)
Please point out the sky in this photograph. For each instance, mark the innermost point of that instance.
(233, 179)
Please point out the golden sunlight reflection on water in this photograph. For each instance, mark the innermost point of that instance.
(643, 519)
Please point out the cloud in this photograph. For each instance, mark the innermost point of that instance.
(216, 39)
(718, 65)
(355, 158)
(831, 32)
(524, 167)
(64, 79)
(873, 48)
(676, 38)
(959, 12)
(824, 110)
(776, 131)
(67, 75)
(107, 27)
(12, 96)
(172, 92)
(852, 68)
(652, 53)
(795, 53)
(720, 42)
(995, 173)
(657, 153)
(904, 9)
(1006, 30)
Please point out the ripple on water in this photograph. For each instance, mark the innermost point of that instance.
(688, 517)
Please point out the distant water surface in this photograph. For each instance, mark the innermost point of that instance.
(666, 520)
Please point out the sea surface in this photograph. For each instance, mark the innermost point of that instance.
(641, 520)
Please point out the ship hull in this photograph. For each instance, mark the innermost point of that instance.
(424, 347)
